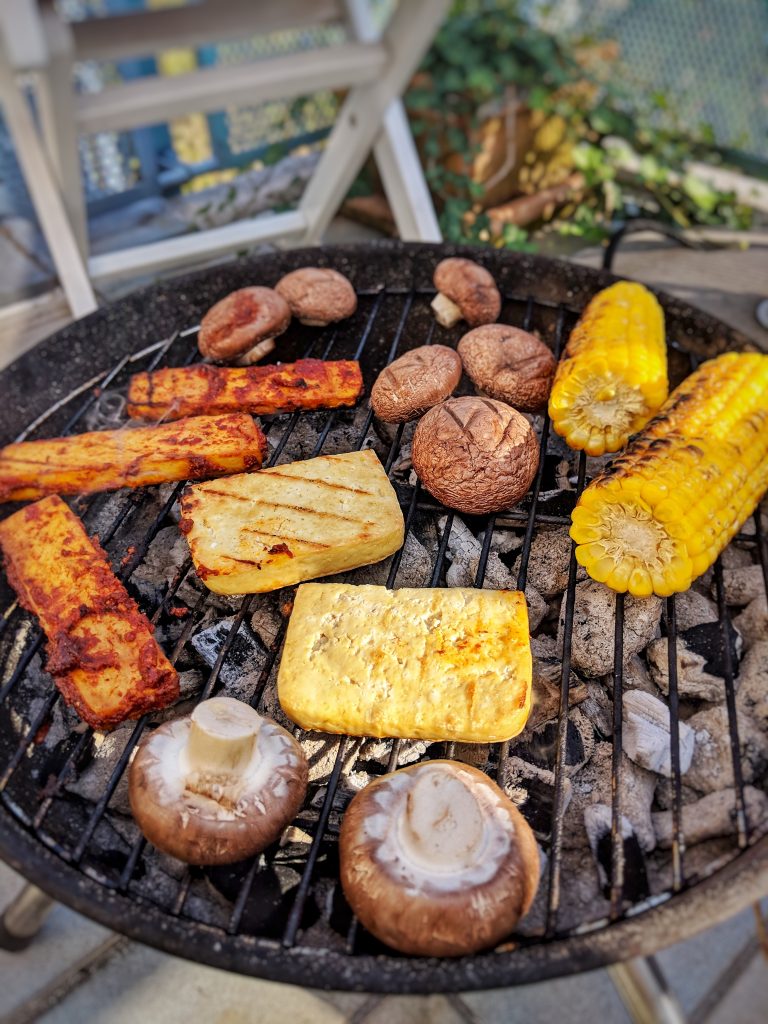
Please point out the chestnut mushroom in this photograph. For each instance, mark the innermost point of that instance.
(415, 382)
(219, 785)
(465, 291)
(242, 327)
(509, 364)
(436, 860)
(475, 454)
(318, 296)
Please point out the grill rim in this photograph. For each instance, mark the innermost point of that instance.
(704, 903)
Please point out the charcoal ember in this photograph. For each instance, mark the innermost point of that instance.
(752, 693)
(546, 676)
(712, 764)
(377, 752)
(593, 627)
(539, 746)
(107, 412)
(597, 822)
(742, 585)
(267, 619)
(634, 677)
(93, 779)
(476, 754)
(598, 707)
(664, 797)
(692, 608)
(190, 684)
(270, 899)
(505, 542)
(550, 561)
(701, 661)
(646, 734)
(552, 503)
(752, 623)
(464, 550)
(734, 557)
(321, 749)
(242, 665)
(714, 815)
(532, 790)
(415, 568)
(581, 895)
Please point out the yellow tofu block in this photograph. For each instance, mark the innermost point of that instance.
(266, 530)
(433, 664)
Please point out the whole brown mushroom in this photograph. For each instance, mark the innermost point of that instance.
(415, 382)
(476, 455)
(219, 785)
(318, 296)
(465, 291)
(436, 861)
(509, 364)
(241, 328)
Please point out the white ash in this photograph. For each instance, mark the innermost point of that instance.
(504, 542)
(712, 816)
(646, 737)
(743, 585)
(550, 561)
(752, 623)
(635, 677)
(692, 608)
(701, 665)
(752, 692)
(415, 568)
(378, 751)
(735, 557)
(547, 671)
(241, 669)
(712, 766)
(592, 645)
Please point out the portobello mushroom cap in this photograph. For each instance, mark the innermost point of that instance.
(242, 326)
(475, 454)
(218, 785)
(436, 860)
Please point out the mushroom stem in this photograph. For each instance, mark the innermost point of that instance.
(222, 737)
(257, 353)
(442, 825)
(447, 312)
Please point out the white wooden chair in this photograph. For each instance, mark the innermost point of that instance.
(38, 47)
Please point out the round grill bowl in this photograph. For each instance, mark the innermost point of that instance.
(394, 281)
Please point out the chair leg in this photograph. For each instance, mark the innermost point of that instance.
(643, 989)
(23, 918)
(46, 198)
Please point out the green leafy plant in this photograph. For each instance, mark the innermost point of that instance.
(626, 150)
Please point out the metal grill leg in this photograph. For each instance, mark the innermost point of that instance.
(23, 918)
(643, 989)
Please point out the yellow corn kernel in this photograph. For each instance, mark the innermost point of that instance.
(613, 375)
(662, 513)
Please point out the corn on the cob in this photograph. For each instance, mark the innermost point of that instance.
(193, 449)
(667, 506)
(613, 375)
(102, 651)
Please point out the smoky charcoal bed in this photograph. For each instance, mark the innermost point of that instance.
(64, 822)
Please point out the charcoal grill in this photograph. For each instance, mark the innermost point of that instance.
(52, 836)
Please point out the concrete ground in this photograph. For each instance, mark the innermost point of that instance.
(76, 971)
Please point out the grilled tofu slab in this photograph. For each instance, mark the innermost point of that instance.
(432, 664)
(101, 650)
(261, 531)
(105, 460)
(174, 392)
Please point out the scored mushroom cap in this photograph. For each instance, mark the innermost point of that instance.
(219, 785)
(509, 364)
(475, 454)
(318, 295)
(242, 320)
(471, 288)
(436, 861)
(415, 382)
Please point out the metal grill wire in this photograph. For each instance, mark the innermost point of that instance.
(553, 321)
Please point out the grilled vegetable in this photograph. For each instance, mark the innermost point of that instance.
(613, 375)
(261, 390)
(668, 505)
(194, 449)
(267, 530)
(101, 649)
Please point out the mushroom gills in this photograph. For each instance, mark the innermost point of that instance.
(257, 353)
(446, 311)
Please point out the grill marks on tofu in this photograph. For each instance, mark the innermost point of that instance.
(266, 530)
(101, 650)
(105, 460)
(306, 385)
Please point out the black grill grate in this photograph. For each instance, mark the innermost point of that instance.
(36, 795)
